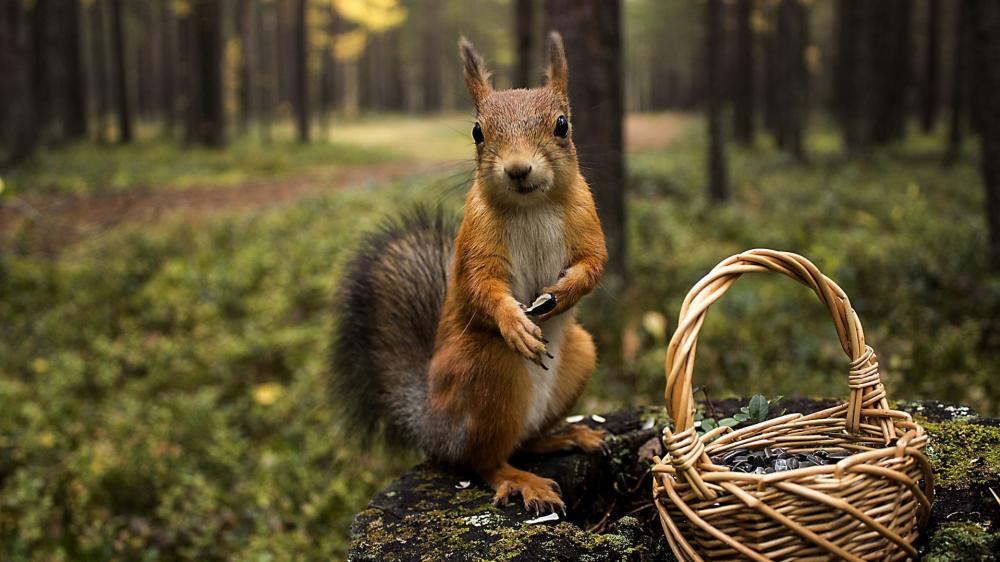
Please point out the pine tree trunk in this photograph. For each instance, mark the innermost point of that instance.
(849, 96)
(168, 67)
(76, 83)
(430, 31)
(524, 44)
(269, 90)
(889, 37)
(932, 67)
(744, 98)
(591, 30)
(247, 18)
(793, 77)
(40, 77)
(393, 71)
(718, 173)
(284, 48)
(121, 74)
(100, 68)
(301, 71)
(986, 22)
(337, 80)
(959, 81)
(366, 85)
(209, 111)
(143, 62)
(16, 111)
(772, 82)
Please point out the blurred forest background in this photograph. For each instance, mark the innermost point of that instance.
(181, 180)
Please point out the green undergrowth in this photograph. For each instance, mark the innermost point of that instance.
(901, 233)
(86, 168)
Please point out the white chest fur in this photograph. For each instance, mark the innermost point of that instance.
(537, 244)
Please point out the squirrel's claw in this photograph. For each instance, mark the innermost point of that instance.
(525, 338)
(539, 495)
(605, 448)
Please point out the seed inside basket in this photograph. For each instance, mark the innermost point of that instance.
(769, 460)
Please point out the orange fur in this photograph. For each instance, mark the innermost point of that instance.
(479, 382)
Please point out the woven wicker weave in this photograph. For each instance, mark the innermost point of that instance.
(869, 506)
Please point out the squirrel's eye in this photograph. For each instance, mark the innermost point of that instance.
(562, 126)
(477, 134)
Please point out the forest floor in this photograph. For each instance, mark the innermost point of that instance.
(163, 379)
(51, 215)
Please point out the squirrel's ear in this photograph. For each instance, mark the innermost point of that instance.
(557, 71)
(477, 79)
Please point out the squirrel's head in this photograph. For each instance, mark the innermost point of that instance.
(524, 146)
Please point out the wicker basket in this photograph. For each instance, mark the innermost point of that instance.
(869, 506)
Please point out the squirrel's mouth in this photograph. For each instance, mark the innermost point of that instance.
(526, 188)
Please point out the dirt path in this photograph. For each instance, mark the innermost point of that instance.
(52, 222)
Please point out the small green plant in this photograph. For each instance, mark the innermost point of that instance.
(756, 411)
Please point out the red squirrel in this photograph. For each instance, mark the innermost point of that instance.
(435, 335)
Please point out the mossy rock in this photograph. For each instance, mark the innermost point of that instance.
(429, 513)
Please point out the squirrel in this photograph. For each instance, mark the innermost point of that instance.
(435, 336)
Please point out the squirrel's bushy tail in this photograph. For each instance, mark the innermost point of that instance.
(387, 307)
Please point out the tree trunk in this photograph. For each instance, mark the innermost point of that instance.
(889, 37)
(76, 84)
(986, 22)
(430, 31)
(744, 90)
(209, 112)
(338, 81)
(100, 69)
(591, 30)
(718, 174)
(793, 76)
(772, 81)
(365, 82)
(932, 67)
(959, 81)
(248, 62)
(392, 70)
(121, 76)
(16, 109)
(143, 62)
(167, 67)
(524, 44)
(269, 79)
(284, 68)
(328, 98)
(40, 76)
(301, 71)
(849, 96)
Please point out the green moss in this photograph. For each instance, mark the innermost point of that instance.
(963, 453)
(513, 542)
(958, 542)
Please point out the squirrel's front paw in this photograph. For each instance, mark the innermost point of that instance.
(524, 337)
(540, 495)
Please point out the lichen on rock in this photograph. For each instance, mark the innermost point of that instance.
(950, 445)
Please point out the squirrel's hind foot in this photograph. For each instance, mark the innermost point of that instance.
(575, 437)
(540, 495)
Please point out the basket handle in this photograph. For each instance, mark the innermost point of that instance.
(867, 395)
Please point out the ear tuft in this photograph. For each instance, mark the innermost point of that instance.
(557, 71)
(477, 79)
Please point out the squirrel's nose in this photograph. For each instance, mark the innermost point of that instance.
(517, 170)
